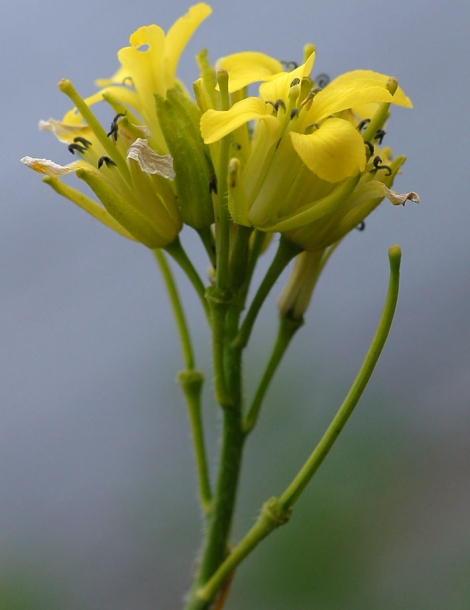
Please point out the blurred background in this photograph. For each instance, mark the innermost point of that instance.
(98, 507)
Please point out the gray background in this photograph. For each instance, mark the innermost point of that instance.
(97, 499)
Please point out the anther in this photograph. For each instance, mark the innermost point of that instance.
(83, 141)
(322, 80)
(106, 160)
(379, 136)
(377, 165)
(290, 65)
(294, 113)
(295, 82)
(76, 148)
(361, 226)
(370, 146)
(363, 124)
(114, 126)
(312, 93)
(311, 128)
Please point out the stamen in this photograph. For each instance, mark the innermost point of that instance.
(322, 80)
(361, 226)
(308, 100)
(363, 124)
(295, 82)
(290, 65)
(377, 165)
(294, 113)
(279, 104)
(379, 136)
(83, 141)
(311, 128)
(114, 126)
(370, 146)
(76, 147)
(106, 160)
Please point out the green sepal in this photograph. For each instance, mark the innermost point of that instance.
(126, 214)
(179, 121)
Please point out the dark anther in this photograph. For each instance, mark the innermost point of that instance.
(83, 141)
(213, 184)
(128, 81)
(293, 113)
(279, 104)
(363, 124)
(361, 226)
(370, 146)
(295, 82)
(311, 128)
(106, 160)
(377, 165)
(237, 146)
(379, 136)
(76, 147)
(290, 65)
(114, 126)
(322, 80)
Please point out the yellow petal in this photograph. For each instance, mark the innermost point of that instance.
(143, 60)
(334, 152)
(399, 98)
(178, 36)
(337, 97)
(215, 124)
(277, 87)
(248, 67)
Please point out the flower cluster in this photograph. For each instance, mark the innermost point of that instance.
(302, 158)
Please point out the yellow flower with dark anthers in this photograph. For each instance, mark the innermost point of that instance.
(128, 166)
(131, 180)
(306, 155)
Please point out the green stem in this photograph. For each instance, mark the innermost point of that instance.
(287, 329)
(177, 251)
(215, 547)
(293, 492)
(191, 384)
(219, 302)
(285, 253)
(277, 511)
(175, 301)
(190, 381)
(223, 222)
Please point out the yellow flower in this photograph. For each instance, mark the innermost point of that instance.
(128, 166)
(306, 149)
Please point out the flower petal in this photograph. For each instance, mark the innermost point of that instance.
(248, 67)
(334, 152)
(178, 37)
(337, 97)
(399, 97)
(215, 124)
(49, 168)
(277, 86)
(150, 161)
(397, 199)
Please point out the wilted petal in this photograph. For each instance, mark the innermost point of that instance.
(150, 161)
(397, 199)
(63, 131)
(49, 168)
